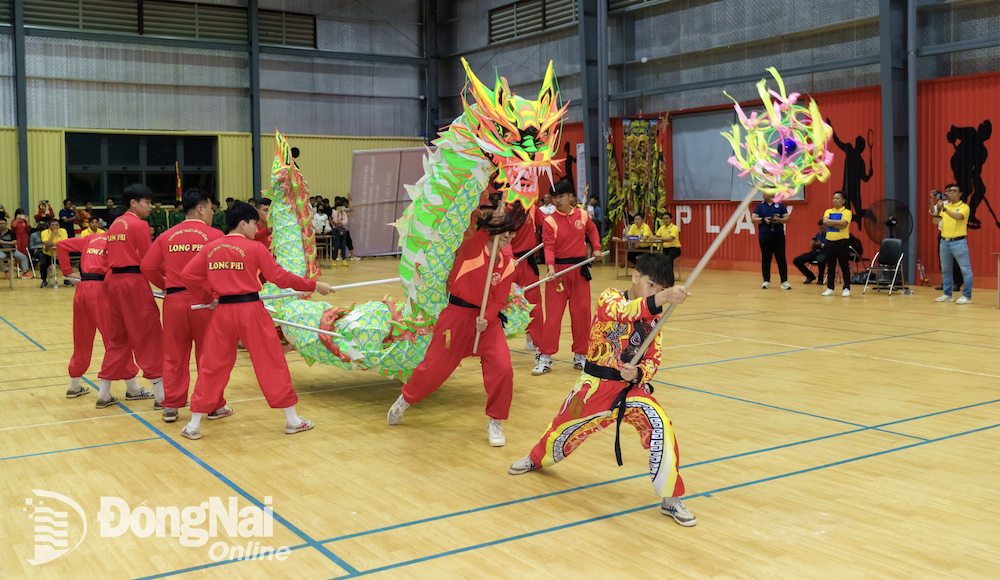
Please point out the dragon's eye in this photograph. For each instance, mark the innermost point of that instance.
(510, 137)
(544, 136)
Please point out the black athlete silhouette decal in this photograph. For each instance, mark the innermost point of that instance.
(855, 170)
(967, 166)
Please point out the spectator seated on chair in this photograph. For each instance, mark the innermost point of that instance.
(8, 246)
(50, 237)
(641, 229)
(815, 254)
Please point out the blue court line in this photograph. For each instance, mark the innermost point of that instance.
(205, 566)
(650, 506)
(941, 412)
(77, 449)
(21, 333)
(311, 542)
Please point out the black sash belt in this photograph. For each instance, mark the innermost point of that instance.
(584, 270)
(85, 276)
(238, 298)
(452, 299)
(953, 239)
(620, 402)
(175, 290)
(531, 260)
(127, 270)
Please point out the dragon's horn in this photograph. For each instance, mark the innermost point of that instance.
(479, 91)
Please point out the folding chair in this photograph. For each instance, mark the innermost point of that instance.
(887, 266)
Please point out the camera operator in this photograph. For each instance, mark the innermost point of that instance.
(953, 219)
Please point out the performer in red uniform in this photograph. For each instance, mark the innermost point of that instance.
(564, 234)
(170, 253)
(133, 317)
(526, 273)
(611, 389)
(455, 330)
(228, 268)
(89, 316)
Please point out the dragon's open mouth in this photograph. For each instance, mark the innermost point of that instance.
(523, 177)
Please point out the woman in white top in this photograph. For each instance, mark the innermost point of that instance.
(321, 223)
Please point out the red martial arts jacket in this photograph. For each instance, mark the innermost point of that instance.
(92, 259)
(469, 274)
(565, 235)
(174, 249)
(229, 266)
(129, 238)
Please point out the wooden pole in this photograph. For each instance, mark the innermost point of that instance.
(486, 288)
(697, 270)
(559, 273)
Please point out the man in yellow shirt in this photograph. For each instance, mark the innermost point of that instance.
(954, 219)
(670, 234)
(641, 229)
(93, 227)
(50, 237)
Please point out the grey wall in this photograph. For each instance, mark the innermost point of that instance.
(8, 118)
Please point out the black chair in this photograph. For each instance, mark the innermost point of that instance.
(886, 266)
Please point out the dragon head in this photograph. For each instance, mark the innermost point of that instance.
(518, 136)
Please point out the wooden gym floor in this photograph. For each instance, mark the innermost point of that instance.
(819, 438)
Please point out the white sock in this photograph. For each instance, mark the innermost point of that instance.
(158, 390)
(105, 392)
(74, 383)
(132, 387)
(195, 422)
(290, 416)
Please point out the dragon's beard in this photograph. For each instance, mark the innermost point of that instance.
(522, 177)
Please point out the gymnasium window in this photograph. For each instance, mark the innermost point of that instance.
(530, 17)
(99, 166)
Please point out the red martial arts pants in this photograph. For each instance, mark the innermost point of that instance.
(587, 410)
(525, 276)
(133, 322)
(249, 323)
(89, 302)
(181, 325)
(574, 289)
(454, 336)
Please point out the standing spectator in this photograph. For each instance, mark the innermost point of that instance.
(670, 234)
(106, 213)
(229, 204)
(350, 243)
(175, 217)
(770, 219)
(338, 221)
(596, 214)
(67, 218)
(8, 243)
(954, 219)
(50, 237)
(547, 207)
(253, 202)
(838, 223)
(45, 212)
(815, 254)
(21, 230)
(83, 215)
(641, 229)
(219, 217)
(94, 227)
(158, 219)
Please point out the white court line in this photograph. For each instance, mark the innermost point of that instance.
(740, 338)
(124, 414)
(903, 362)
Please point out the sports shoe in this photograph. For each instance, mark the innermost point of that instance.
(44, 285)
(528, 344)
(192, 434)
(333, 263)
(786, 286)
(158, 405)
(142, 394)
(27, 275)
(169, 415)
(522, 465)
(345, 263)
(543, 364)
(304, 425)
(964, 300)
(765, 285)
(396, 410)
(494, 432)
(846, 292)
(83, 390)
(104, 403)
(674, 507)
(355, 259)
(578, 361)
(809, 280)
(944, 298)
(827, 292)
(221, 413)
